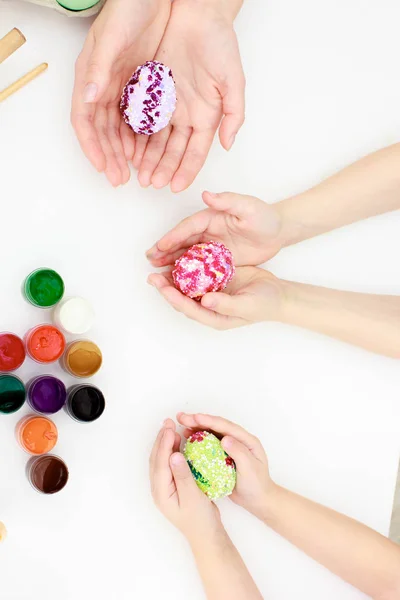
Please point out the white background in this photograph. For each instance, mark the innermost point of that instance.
(323, 90)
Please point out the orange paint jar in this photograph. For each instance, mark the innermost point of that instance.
(36, 435)
(45, 343)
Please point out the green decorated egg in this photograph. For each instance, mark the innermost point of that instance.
(212, 468)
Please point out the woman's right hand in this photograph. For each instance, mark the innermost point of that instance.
(254, 489)
(249, 227)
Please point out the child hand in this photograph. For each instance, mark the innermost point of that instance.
(254, 488)
(174, 490)
(249, 227)
(254, 295)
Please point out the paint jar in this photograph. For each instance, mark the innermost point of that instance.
(46, 394)
(85, 403)
(47, 474)
(44, 288)
(74, 315)
(82, 358)
(12, 394)
(36, 435)
(12, 352)
(45, 343)
(77, 5)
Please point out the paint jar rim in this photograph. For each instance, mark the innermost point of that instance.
(76, 10)
(57, 315)
(65, 360)
(22, 388)
(30, 390)
(70, 396)
(21, 341)
(28, 295)
(20, 427)
(32, 463)
(28, 338)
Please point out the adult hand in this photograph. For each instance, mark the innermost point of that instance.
(254, 295)
(124, 36)
(254, 488)
(201, 48)
(175, 491)
(249, 227)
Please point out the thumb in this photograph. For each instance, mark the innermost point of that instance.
(233, 107)
(238, 451)
(236, 205)
(98, 69)
(231, 306)
(185, 483)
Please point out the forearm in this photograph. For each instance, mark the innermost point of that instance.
(346, 547)
(222, 569)
(366, 188)
(366, 320)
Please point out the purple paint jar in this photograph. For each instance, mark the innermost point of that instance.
(46, 394)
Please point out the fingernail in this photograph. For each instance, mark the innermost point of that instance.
(231, 141)
(177, 459)
(208, 302)
(226, 442)
(212, 194)
(90, 92)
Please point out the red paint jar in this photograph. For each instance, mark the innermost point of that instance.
(45, 343)
(12, 352)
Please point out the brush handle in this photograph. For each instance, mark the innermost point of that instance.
(10, 43)
(14, 87)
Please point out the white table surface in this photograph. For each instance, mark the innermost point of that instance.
(323, 90)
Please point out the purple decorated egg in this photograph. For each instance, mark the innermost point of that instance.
(149, 98)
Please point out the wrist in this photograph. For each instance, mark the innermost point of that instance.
(207, 540)
(292, 229)
(268, 511)
(228, 9)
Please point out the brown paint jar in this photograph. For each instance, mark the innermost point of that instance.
(48, 474)
(82, 358)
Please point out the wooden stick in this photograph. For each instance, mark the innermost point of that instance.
(14, 87)
(10, 43)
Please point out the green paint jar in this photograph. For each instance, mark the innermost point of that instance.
(77, 5)
(12, 394)
(44, 288)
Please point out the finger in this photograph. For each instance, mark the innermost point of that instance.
(162, 470)
(128, 140)
(172, 158)
(239, 452)
(158, 280)
(82, 117)
(240, 306)
(177, 442)
(185, 483)
(99, 67)
(154, 151)
(233, 107)
(224, 428)
(177, 237)
(236, 205)
(114, 136)
(154, 450)
(112, 169)
(193, 160)
(140, 148)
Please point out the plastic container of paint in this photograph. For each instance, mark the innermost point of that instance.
(12, 352)
(12, 394)
(45, 343)
(77, 5)
(74, 315)
(82, 358)
(85, 403)
(46, 394)
(44, 288)
(36, 435)
(47, 474)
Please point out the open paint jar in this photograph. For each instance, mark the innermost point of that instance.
(85, 403)
(36, 435)
(44, 288)
(74, 315)
(46, 394)
(77, 5)
(12, 352)
(45, 343)
(12, 394)
(82, 358)
(48, 474)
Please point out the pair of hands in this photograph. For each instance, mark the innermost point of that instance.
(196, 39)
(175, 491)
(254, 232)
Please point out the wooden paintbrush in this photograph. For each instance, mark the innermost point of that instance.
(14, 87)
(10, 43)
